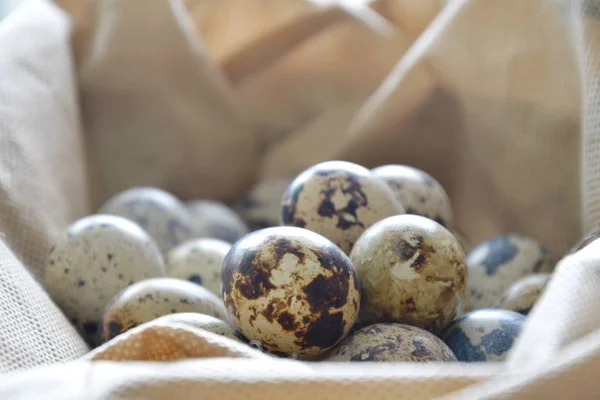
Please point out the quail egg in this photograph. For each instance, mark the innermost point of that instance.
(160, 213)
(213, 219)
(261, 206)
(202, 321)
(392, 342)
(338, 200)
(496, 264)
(152, 298)
(522, 295)
(418, 192)
(291, 290)
(199, 261)
(483, 335)
(412, 271)
(94, 259)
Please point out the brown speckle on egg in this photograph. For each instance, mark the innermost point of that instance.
(391, 342)
(338, 200)
(290, 289)
(412, 270)
(141, 303)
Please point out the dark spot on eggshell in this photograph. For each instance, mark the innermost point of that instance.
(51, 262)
(500, 251)
(290, 202)
(287, 321)
(114, 329)
(325, 292)
(269, 312)
(67, 270)
(80, 282)
(407, 251)
(184, 301)
(377, 352)
(173, 310)
(428, 180)
(109, 257)
(410, 305)
(420, 350)
(324, 331)
(305, 320)
(196, 279)
(284, 246)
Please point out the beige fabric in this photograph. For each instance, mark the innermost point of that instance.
(496, 98)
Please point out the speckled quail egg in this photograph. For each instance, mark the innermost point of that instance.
(202, 321)
(213, 219)
(496, 264)
(261, 206)
(465, 243)
(152, 298)
(392, 342)
(412, 270)
(160, 213)
(338, 200)
(522, 295)
(418, 192)
(94, 259)
(199, 261)
(483, 335)
(291, 290)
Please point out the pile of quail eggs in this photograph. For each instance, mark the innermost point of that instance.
(341, 263)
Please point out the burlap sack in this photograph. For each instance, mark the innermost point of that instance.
(496, 98)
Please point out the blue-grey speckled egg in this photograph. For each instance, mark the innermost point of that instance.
(213, 219)
(483, 335)
(496, 264)
(160, 213)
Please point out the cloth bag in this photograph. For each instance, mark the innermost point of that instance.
(495, 98)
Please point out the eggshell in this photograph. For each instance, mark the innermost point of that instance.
(338, 200)
(160, 213)
(213, 219)
(152, 298)
(412, 270)
(392, 342)
(522, 295)
(418, 192)
(202, 321)
(496, 264)
(94, 259)
(291, 290)
(483, 335)
(199, 261)
(261, 206)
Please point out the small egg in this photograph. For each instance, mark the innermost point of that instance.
(160, 213)
(418, 192)
(152, 298)
(483, 335)
(94, 259)
(465, 243)
(412, 271)
(291, 290)
(261, 206)
(392, 342)
(213, 219)
(338, 200)
(202, 321)
(496, 264)
(522, 295)
(199, 261)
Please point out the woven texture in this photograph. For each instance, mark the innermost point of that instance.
(498, 99)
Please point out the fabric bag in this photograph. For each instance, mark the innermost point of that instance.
(495, 98)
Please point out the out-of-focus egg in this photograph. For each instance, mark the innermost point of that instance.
(392, 342)
(199, 261)
(497, 263)
(291, 290)
(261, 206)
(152, 298)
(160, 213)
(94, 259)
(338, 200)
(522, 295)
(483, 335)
(213, 219)
(412, 270)
(202, 321)
(418, 192)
